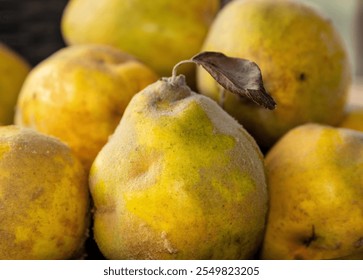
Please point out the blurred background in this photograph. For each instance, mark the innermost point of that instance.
(347, 16)
(32, 27)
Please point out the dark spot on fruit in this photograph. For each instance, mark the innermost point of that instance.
(312, 237)
(36, 193)
(99, 61)
(358, 243)
(298, 257)
(60, 243)
(237, 239)
(302, 76)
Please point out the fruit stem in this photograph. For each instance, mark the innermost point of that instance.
(174, 72)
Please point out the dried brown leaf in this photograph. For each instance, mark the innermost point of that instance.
(237, 75)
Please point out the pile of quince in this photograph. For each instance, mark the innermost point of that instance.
(243, 156)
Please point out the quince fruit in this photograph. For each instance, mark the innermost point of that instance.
(79, 95)
(315, 183)
(13, 70)
(160, 32)
(302, 58)
(179, 179)
(44, 198)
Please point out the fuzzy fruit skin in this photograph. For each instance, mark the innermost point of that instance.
(44, 197)
(160, 32)
(303, 62)
(13, 70)
(179, 179)
(79, 95)
(315, 181)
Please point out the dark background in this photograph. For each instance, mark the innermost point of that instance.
(32, 27)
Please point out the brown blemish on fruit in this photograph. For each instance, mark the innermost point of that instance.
(167, 244)
(312, 237)
(70, 225)
(298, 257)
(37, 193)
(104, 209)
(358, 243)
(302, 77)
(23, 248)
(60, 243)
